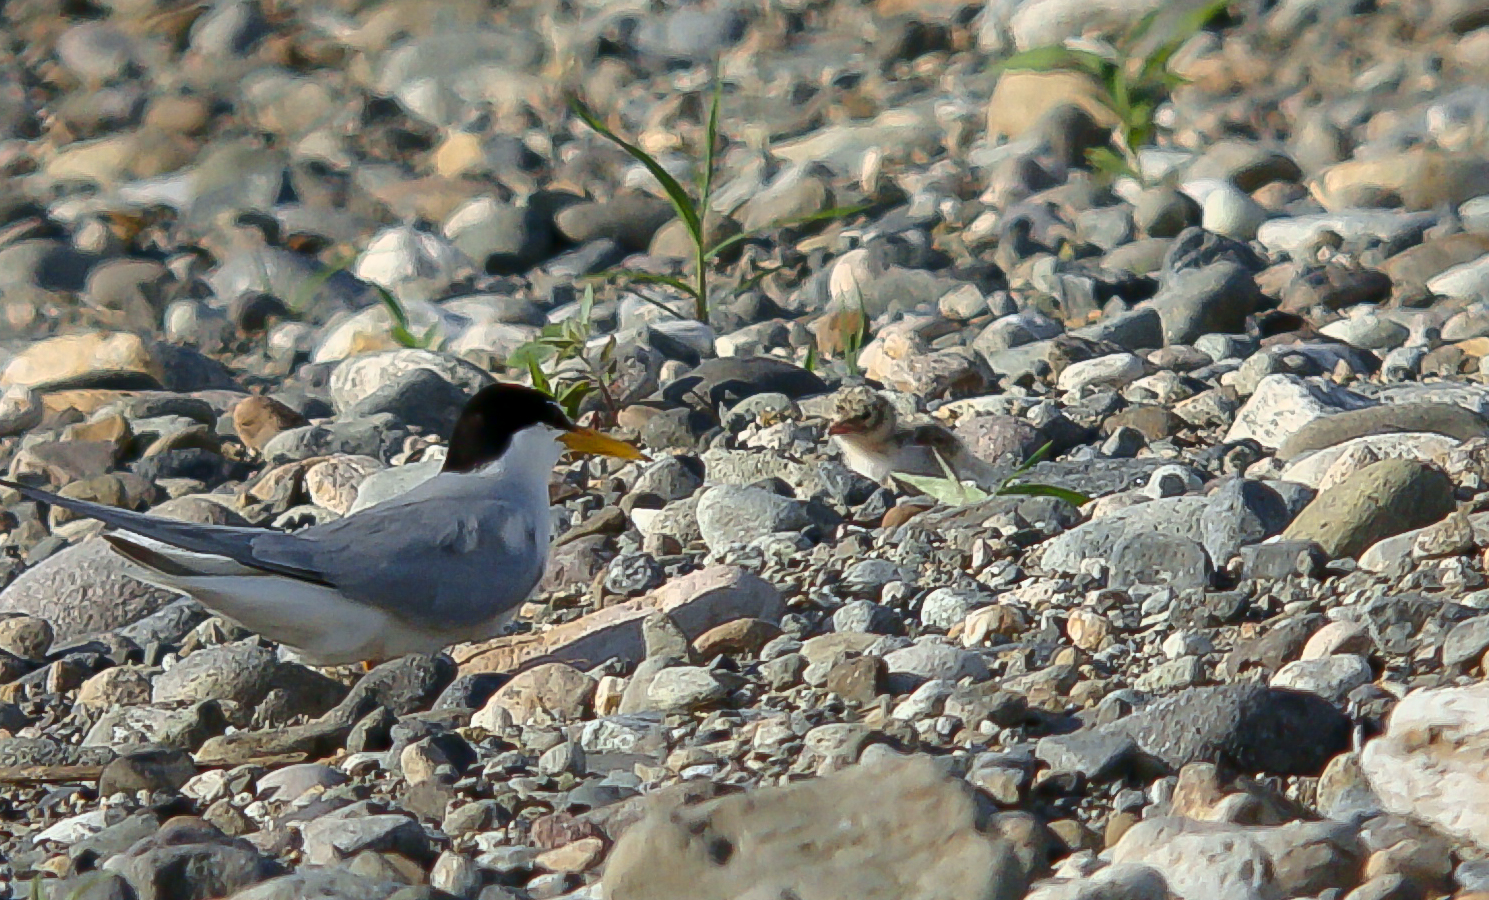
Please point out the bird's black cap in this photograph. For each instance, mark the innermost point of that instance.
(490, 418)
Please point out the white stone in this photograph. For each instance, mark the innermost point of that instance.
(1433, 761)
(1229, 211)
(1469, 281)
(413, 264)
(1115, 370)
(1331, 677)
(1283, 404)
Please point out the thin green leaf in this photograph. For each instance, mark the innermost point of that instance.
(539, 379)
(1054, 58)
(1034, 459)
(1110, 163)
(945, 490)
(1143, 26)
(650, 278)
(587, 305)
(404, 337)
(810, 363)
(684, 205)
(710, 138)
(1074, 498)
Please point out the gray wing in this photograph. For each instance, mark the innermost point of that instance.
(219, 540)
(452, 564)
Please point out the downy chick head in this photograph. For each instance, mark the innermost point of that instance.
(863, 416)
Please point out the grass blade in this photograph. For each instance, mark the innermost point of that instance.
(1034, 459)
(710, 138)
(1054, 57)
(836, 212)
(1074, 498)
(683, 204)
(651, 278)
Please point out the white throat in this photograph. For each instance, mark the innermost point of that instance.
(529, 459)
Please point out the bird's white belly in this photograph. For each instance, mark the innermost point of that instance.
(874, 466)
(321, 626)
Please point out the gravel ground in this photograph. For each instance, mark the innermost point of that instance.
(1250, 668)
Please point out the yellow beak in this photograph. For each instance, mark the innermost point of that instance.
(587, 440)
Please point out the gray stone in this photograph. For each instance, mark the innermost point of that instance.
(932, 657)
(684, 689)
(240, 672)
(1158, 559)
(946, 607)
(892, 830)
(84, 589)
(1241, 512)
(1436, 418)
(1466, 643)
(1098, 755)
(730, 514)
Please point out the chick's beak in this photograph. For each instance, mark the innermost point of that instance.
(843, 428)
(587, 440)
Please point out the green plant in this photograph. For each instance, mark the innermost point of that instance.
(560, 342)
(953, 491)
(400, 332)
(693, 210)
(1134, 80)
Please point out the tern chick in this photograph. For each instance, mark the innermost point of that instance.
(875, 445)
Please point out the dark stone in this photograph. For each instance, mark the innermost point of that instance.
(470, 691)
(858, 680)
(1249, 728)
(195, 463)
(1096, 754)
(1196, 248)
(1280, 645)
(727, 380)
(420, 398)
(185, 863)
(1214, 299)
(148, 769)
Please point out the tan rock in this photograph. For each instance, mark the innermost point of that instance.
(1022, 97)
(1433, 761)
(1416, 179)
(898, 828)
(1003, 621)
(1335, 638)
(1087, 629)
(62, 359)
(578, 856)
(112, 428)
(257, 420)
(332, 483)
(697, 601)
(556, 688)
(741, 636)
(119, 686)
